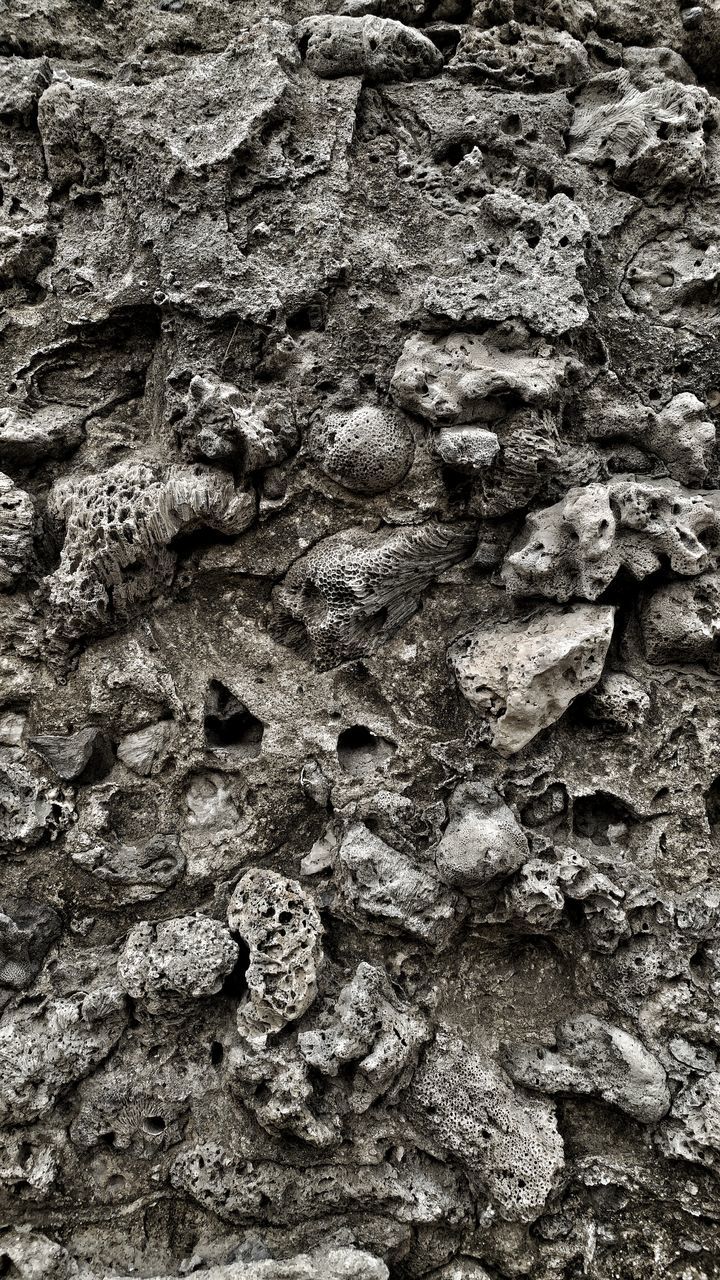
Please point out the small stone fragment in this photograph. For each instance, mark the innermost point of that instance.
(87, 752)
(281, 926)
(383, 889)
(591, 1056)
(190, 957)
(146, 751)
(482, 841)
(525, 675)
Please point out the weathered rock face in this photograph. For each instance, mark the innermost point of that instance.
(525, 674)
(359, 639)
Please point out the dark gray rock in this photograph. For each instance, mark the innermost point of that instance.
(359, 639)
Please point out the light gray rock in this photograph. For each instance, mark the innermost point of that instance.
(190, 956)
(379, 49)
(576, 547)
(371, 1028)
(280, 925)
(529, 270)
(483, 840)
(45, 1050)
(384, 889)
(507, 1142)
(591, 1056)
(17, 527)
(369, 450)
(525, 675)
(465, 378)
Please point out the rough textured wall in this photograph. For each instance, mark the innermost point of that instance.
(359, 635)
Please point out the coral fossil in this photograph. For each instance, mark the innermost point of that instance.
(359, 639)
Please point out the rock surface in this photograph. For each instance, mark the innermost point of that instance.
(359, 639)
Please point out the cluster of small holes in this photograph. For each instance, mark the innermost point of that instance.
(473, 1113)
(347, 593)
(281, 928)
(368, 451)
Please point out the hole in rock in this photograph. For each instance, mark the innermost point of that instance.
(602, 818)
(548, 807)
(229, 724)
(360, 751)
(7, 1266)
(446, 39)
(309, 317)
(456, 151)
(574, 911)
(217, 1053)
(234, 987)
(153, 1125)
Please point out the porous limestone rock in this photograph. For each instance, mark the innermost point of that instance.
(280, 925)
(673, 276)
(189, 956)
(378, 49)
(35, 1257)
(25, 806)
(681, 433)
(507, 1142)
(45, 1050)
(233, 1189)
(525, 675)
(680, 621)
(273, 1081)
(692, 1130)
(528, 267)
(338, 340)
(371, 1028)
(17, 529)
(576, 547)
(465, 378)
(520, 56)
(591, 1056)
(618, 702)
(224, 429)
(546, 888)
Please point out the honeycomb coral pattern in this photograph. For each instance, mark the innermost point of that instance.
(369, 450)
(359, 639)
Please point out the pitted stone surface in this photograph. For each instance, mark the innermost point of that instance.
(359, 639)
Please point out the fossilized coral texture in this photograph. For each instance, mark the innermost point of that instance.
(359, 639)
